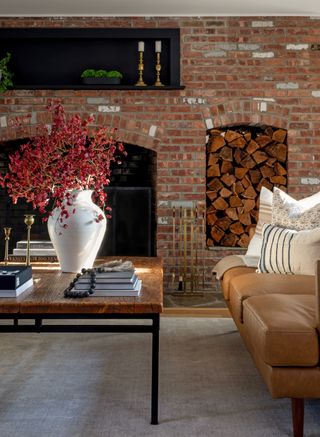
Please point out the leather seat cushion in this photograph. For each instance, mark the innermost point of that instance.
(282, 329)
(254, 284)
(232, 273)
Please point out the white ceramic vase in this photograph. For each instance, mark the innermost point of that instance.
(78, 243)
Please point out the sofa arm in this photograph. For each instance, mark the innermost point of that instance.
(318, 293)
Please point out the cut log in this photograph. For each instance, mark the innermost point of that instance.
(248, 162)
(239, 155)
(212, 195)
(240, 172)
(213, 159)
(237, 228)
(248, 204)
(246, 182)
(226, 167)
(215, 185)
(231, 135)
(279, 170)
(232, 213)
(244, 240)
(228, 179)
(224, 223)
(225, 192)
(216, 143)
(216, 233)
(250, 193)
(266, 171)
(213, 170)
(220, 204)
(226, 154)
(279, 135)
(281, 180)
(264, 183)
(216, 132)
(247, 136)
(263, 140)
(278, 151)
(210, 209)
(271, 162)
(238, 188)
(238, 142)
(252, 147)
(255, 176)
(211, 218)
(229, 240)
(269, 131)
(259, 156)
(245, 218)
(235, 201)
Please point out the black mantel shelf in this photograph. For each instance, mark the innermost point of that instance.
(43, 58)
(98, 87)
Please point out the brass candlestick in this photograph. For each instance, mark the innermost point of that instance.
(7, 232)
(158, 70)
(140, 70)
(28, 220)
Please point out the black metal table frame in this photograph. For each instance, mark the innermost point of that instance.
(153, 328)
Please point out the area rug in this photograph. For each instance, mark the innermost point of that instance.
(98, 385)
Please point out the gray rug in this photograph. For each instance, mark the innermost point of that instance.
(98, 385)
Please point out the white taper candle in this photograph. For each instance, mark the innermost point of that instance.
(141, 46)
(158, 46)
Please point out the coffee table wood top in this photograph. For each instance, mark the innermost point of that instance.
(46, 295)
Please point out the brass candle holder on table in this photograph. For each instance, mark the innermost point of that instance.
(141, 64)
(28, 220)
(158, 64)
(7, 233)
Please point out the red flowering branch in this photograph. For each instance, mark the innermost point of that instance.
(45, 169)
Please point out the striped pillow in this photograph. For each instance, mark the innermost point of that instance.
(287, 251)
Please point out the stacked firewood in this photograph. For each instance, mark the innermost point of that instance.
(239, 162)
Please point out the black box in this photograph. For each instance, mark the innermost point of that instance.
(12, 277)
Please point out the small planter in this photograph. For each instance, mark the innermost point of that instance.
(101, 80)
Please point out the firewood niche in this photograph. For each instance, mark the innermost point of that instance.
(240, 160)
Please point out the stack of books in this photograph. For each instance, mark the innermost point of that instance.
(14, 280)
(117, 283)
(37, 248)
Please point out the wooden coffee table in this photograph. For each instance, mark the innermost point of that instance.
(45, 301)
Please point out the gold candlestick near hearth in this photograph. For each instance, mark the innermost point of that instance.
(7, 233)
(158, 64)
(28, 220)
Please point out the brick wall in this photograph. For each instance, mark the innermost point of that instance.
(236, 70)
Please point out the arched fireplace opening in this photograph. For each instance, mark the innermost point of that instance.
(131, 194)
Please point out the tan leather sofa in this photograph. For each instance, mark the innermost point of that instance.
(278, 319)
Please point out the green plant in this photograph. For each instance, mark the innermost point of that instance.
(114, 73)
(101, 73)
(6, 75)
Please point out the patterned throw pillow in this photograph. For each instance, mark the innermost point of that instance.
(295, 214)
(288, 251)
(265, 215)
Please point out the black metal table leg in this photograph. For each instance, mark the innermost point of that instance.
(155, 370)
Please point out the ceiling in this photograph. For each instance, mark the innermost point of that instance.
(158, 7)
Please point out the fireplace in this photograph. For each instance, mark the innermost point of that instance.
(131, 194)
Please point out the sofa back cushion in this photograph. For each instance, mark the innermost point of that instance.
(288, 251)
